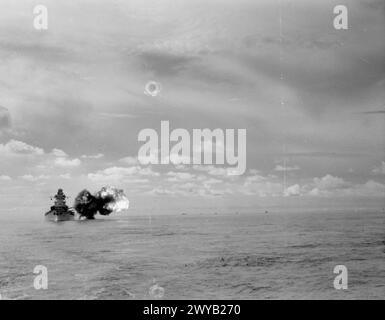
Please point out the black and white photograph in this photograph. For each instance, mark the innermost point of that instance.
(192, 150)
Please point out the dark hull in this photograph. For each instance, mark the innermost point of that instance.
(55, 216)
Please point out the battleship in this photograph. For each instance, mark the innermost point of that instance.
(60, 211)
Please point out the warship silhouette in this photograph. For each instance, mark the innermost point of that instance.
(60, 211)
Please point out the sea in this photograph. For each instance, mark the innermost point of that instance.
(274, 255)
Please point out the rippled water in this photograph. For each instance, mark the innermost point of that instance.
(260, 256)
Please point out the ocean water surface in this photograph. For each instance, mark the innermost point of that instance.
(200, 256)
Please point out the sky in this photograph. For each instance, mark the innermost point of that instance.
(73, 101)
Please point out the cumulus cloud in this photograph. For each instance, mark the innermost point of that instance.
(188, 189)
(330, 182)
(327, 185)
(58, 153)
(64, 162)
(212, 181)
(162, 192)
(368, 189)
(189, 183)
(19, 148)
(18, 156)
(255, 178)
(331, 186)
(32, 178)
(61, 159)
(215, 171)
(5, 178)
(294, 190)
(15, 148)
(262, 186)
(126, 174)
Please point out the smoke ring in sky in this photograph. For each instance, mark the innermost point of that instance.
(152, 88)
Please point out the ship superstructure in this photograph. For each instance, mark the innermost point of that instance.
(60, 211)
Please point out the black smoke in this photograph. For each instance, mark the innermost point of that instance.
(88, 205)
(104, 202)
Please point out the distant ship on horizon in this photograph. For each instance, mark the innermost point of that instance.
(60, 211)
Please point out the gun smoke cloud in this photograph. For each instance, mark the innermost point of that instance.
(104, 202)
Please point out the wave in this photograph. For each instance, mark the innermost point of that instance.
(238, 260)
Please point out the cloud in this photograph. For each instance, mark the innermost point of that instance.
(331, 186)
(286, 168)
(189, 189)
(95, 156)
(294, 190)
(36, 50)
(123, 174)
(212, 181)
(327, 186)
(17, 155)
(58, 153)
(368, 189)
(61, 159)
(380, 169)
(64, 162)
(179, 176)
(19, 148)
(254, 178)
(31, 178)
(330, 182)
(163, 192)
(5, 178)
(130, 160)
(262, 186)
(216, 171)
